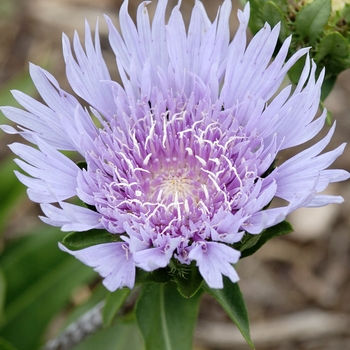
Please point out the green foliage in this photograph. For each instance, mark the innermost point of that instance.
(295, 71)
(80, 240)
(40, 279)
(231, 299)
(346, 13)
(6, 345)
(156, 276)
(251, 243)
(334, 45)
(114, 301)
(189, 282)
(312, 18)
(165, 318)
(122, 335)
(187, 277)
(274, 15)
(313, 24)
(333, 50)
(2, 295)
(272, 12)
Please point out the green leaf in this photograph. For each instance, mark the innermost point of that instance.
(280, 229)
(2, 295)
(122, 335)
(80, 240)
(329, 118)
(295, 71)
(6, 345)
(273, 15)
(231, 299)
(188, 280)
(333, 44)
(114, 301)
(333, 53)
(327, 87)
(40, 279)
(156, 276)
(256, 21)
(82, 164)
(247, 241)
(187, 277)
(28, 258)
(165, 318)
(312, 18)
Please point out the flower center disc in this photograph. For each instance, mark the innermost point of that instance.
(176, 187)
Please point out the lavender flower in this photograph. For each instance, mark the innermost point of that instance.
(179, 158)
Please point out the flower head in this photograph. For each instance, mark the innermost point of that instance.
(180, 163)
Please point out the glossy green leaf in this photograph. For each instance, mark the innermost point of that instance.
(114, 301)
(280, 229)
(40, 281)
(165, 318)
(311, 19)
(80, 240)
(231, 299)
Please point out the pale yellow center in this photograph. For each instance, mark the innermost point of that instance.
(177, 187)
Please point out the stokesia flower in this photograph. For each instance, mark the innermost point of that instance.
(179, 159)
